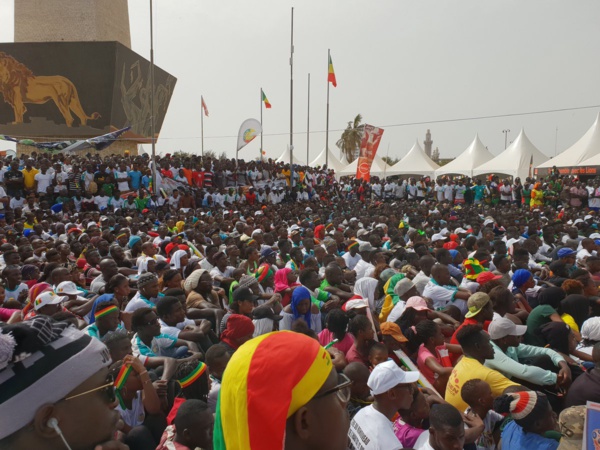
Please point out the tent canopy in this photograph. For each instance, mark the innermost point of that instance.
(377, 168)
(475, 155)
(334, 162)
(416, 162)
(285, 158)
(516, 161)
(585, 148)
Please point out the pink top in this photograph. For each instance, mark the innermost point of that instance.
(406, 434)
(424, 355)
(326, 336)
(6, 313)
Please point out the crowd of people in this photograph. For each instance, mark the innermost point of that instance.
(220, 304)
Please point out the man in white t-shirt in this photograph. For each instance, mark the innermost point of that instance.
(446, 425)
(43, 179)
(392, 389)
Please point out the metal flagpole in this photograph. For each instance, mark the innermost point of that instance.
(154, 180)
(308, 124)
(202, 123)
(261, 124)
(327, 122)
(292, 103)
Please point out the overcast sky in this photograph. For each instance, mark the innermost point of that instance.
(396, 62)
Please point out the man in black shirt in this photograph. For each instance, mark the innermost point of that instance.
(14, 180)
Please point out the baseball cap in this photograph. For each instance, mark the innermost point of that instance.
(572, 421)
(393, 330)
(503, 327)
(388, 375)
(265, 253)
(403, 286)
(46, 298)
(265, 313)
(437, 237)
(365, 247)
(565, 251)
(476, 303)
(484, 277)
(460, 230)
(67, 288)
(417, 303)
(241, 294)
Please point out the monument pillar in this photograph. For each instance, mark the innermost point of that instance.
(428, 143)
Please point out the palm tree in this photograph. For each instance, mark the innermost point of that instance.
(349, 142)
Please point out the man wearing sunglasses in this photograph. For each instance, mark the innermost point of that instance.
(55, 391)
(392, 389)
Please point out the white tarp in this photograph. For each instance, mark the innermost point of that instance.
(518, 160)
(577, 154)
(475, 155)
(333, 161)
(416, 162)
(377, 168)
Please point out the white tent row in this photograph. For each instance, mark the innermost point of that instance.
(416, 162)
(585, 149)
(285, 158)
(378, 168)
(474, 156)
(333, 161)
(518, 160)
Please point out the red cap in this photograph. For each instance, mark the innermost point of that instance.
(454, 237)
(152, 234)
(169, 248)
(450, 245)
(484, 277)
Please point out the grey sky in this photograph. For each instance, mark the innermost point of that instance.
(396, 62)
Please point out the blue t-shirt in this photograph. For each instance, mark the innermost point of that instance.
(514, 438)
(136, 178)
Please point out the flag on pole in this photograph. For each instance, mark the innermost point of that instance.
(265, 100)
(331, 75)
(248, 131)
(204, 106)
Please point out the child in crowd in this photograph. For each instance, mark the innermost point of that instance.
(377, 354)
(478, 395)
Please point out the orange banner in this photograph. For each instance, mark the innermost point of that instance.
(368, 149)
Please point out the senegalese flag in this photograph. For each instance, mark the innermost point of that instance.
(331, 74)
(204, 106)
(264, 385)
(265, 100)
(120, 381)
(473, 268)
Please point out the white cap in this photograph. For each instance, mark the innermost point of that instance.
(46, 298)
(460, 230)
(437, 237)
(487, 222)
(588, 217)
(595, 236)
(388, 375)
(67, 288)
(503, 327)
(577, 221)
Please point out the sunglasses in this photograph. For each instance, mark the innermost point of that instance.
(107, 389)
(342, 390)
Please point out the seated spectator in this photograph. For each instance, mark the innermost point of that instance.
(442, 293)
(192, 428)
(301, 307)
(575, 309)
(361, 328)
(409, 426)
(239, 329)
(360, 394)
(590, 335)
(586, 386)
(478, 395)
(547, 311)
(265, 320)
(533, 419)
(148, 340)
(446, 429)
(335, 332)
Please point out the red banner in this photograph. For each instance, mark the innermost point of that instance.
(368, 149)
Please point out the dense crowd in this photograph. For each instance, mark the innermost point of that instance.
(253, 305)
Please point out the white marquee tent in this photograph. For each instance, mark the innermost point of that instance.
(285, 158)
(416, 162)
(518, 160)
(576, 155)
(334, 161)
(377, 168)
(475, 155)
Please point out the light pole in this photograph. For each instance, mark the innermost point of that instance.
(505, 138)
(154, 180)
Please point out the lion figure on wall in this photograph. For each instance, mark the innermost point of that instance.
(18, 85)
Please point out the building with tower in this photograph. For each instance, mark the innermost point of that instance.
(427, 143)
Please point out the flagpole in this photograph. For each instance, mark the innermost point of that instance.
(202, 123)
(292, 103)
(154, 181)
(261, 125)
(327, 121)
(308, 124)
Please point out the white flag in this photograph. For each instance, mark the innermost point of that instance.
(249, 130)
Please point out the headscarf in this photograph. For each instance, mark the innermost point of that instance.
(299, 294)
(281, 281)
(247, 281)
(266, 381)
(365, 287)
(590, 331)
(237, 327)
(143, 267)
(577, 306)
(133, 240)
(192, 281)
(263, 272)
(34, 292)
(180, 226)
(550, 296)
(473, 268)
(176, 259)
(391, 298)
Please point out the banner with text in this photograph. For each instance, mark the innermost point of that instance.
(368, 148)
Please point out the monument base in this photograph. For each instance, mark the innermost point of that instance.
(117, 148)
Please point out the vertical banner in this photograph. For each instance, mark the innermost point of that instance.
(248, 131)
(368, 148)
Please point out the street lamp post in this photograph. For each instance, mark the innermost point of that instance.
(505, 138)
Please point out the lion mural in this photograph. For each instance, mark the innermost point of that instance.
(18, 85)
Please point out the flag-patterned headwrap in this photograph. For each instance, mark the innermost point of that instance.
(263, 272)
(473, 268)
(189, 379)
(266, 381)
(352, 244)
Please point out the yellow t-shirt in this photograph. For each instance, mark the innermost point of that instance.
(471, 369)
(29, 177)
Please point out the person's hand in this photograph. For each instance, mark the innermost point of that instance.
(23, 296)
(135, 364)
(331, 304)
(563, 378)
(473, 420)
(205, 326)
(161, 387)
